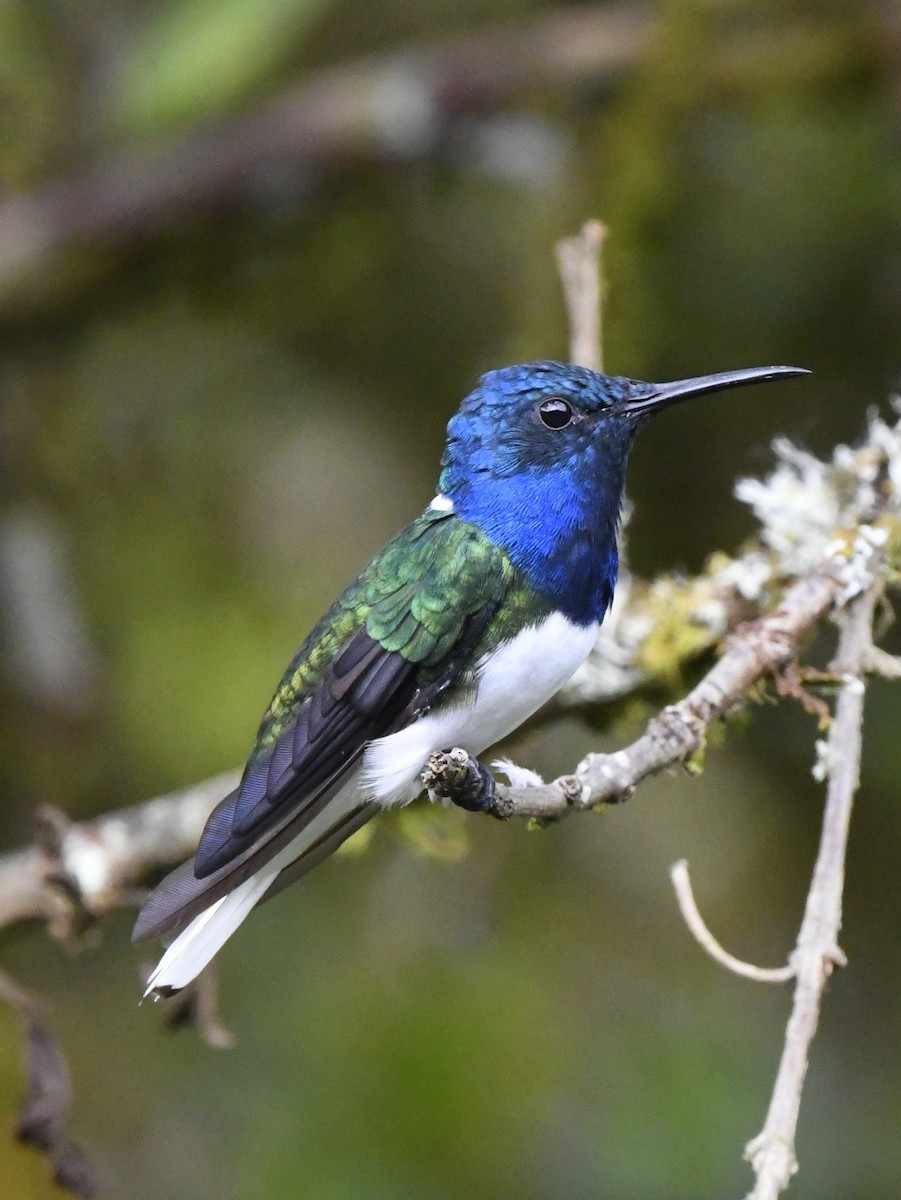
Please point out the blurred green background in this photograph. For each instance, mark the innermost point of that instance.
(229, 350)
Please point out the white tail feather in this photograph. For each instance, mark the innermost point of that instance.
(196, 945)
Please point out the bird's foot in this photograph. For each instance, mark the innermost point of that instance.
(454, 775)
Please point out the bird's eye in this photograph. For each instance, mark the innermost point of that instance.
(555, 413)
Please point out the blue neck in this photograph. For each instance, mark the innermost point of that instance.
(559, 527)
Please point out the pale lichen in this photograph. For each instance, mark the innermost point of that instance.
(516, 776)
(822, 767)
(838, 511)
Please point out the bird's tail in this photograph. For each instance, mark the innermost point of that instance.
(180, 897)
(195, 946)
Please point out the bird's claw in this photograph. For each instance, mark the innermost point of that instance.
(454, 775)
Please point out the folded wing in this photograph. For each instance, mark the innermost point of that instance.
(379, 659)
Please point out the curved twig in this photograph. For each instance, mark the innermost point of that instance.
(702, 935)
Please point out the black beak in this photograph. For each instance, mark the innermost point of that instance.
(661, 395)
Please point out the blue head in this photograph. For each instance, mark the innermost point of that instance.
(536, 457)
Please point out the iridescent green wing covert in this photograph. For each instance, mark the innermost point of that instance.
(379, 658)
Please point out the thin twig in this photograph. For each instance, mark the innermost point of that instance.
(579, 264)
(198, 1005)
(44, 1115)
(703, 936)
(772, 1152)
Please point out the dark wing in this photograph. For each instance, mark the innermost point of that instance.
(366, 692)
(378, 660)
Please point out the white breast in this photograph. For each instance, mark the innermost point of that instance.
(513, 681)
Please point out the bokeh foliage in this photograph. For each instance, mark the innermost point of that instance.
(212, 426)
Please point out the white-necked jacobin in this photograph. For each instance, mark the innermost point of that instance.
(455, 633)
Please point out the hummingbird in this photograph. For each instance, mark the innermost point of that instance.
(463, 625)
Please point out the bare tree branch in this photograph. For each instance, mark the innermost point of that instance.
(772, 1152)
(94, 862)
(98, 859)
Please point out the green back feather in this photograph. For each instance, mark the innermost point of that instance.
(414, 598)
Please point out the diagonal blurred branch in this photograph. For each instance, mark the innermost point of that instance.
(397, 106)
(44, 1115)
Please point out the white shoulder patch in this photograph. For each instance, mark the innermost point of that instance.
(442, 504)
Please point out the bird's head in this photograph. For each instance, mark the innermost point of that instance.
(550, 418)
(536, 456)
